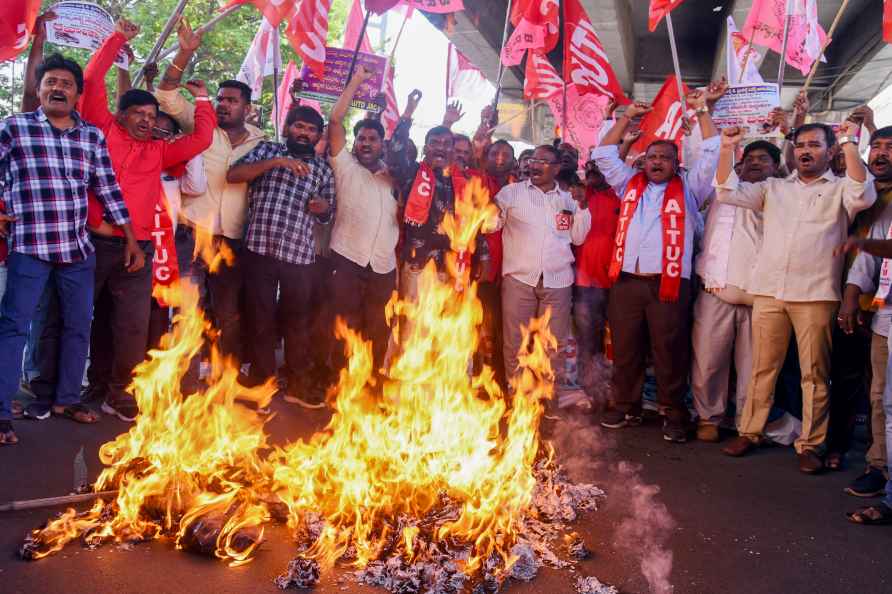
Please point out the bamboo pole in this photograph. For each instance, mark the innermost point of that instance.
(162, 39)
(783, 55)
(675, 63)
(53, 501)
(814, 67)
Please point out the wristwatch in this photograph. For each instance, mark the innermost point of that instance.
(701, 110)
(846, 139)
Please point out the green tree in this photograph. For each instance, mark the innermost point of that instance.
(219, 58)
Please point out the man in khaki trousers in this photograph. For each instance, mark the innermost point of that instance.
(797, 276)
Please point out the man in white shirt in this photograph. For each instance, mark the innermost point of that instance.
(539, 221)
(366, 230)
(723, 310)
(797, 276)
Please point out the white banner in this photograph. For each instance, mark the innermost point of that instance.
(746, 106)
(83, 25)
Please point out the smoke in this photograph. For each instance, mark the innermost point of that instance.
(590, 454)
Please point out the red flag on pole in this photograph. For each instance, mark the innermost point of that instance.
(887, 21)
(16, 25)
(658, 10)
(585, 61)
(308, 33)
(541, 80)
(665, 121)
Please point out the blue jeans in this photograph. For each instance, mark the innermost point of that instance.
(887, 408)
(27, 277)
(31, 365)
(590, 319)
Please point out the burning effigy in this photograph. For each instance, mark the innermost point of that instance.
(427, 478)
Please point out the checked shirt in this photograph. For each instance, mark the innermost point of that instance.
(46, 174)
(279, 224)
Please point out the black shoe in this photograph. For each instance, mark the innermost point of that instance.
(94, 393)
(870, 484)
(675, 431)
(39, 411)
(616, 419)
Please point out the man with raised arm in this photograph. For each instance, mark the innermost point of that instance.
(222, 211)
(651, 268)
(796, 281)
(366, 231)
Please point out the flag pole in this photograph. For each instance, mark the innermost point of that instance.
(746, 56)
(165, 33)
(563, 8)
(675, 63)
(399, 34)
(783, 56)
(495, 101)
(365, 24)
(814, 67)
(201, 30)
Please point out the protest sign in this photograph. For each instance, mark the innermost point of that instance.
(337, 67)
(746, 106)
(83, 25)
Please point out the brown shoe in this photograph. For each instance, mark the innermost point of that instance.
(810, 463)
(708, 432)
(740, 446)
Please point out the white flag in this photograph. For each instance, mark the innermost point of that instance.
(736, 50)
(262, 59)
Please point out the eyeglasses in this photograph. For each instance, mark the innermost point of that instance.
(534, 161)
(161, 132)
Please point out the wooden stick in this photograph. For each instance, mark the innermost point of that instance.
(365, 24)
(675, 63)
(201, 30)
(814, 67)
(746, 56)
(53, 501)
(783, 55)
(162, 39)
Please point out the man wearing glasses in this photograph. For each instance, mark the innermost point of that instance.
(539, 221)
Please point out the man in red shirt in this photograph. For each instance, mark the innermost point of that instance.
(138, 161)
(592, 264)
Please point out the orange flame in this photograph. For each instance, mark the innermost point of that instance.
(397, 444)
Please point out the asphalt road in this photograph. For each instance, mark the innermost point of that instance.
(749, 526)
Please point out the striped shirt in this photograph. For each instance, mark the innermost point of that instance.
(535, 241)
(47, 173)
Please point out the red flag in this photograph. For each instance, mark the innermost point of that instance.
(275, 11)
(308, 33)
(16, 25)
(283, 93)
(665, 121)
(585, 62)
(887, 21)
(658, 10)
(391, 116)
(541, 80)
(537, 30)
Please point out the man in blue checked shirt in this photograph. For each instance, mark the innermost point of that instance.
(289, 187)
(51, 158)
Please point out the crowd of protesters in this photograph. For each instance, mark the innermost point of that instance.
(746, 266)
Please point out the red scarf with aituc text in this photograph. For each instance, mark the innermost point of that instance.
(418, 204)
(673, 219)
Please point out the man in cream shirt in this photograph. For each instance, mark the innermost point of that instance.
(222, 210)
(366, 230)
(797, 276)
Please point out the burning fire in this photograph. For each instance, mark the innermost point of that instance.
(400, 443)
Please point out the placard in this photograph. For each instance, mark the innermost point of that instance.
(337, 66)
(746, 106)
(83, 25)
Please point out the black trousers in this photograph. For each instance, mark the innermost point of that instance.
(359, 295)
(636, 314)
(278, 296)
(121, 317)
(850, 375)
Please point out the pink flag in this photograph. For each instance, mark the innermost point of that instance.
(437, 6)
(283, 95)
(263, 58)
(526, 36)
(765, 26)
(585, 114)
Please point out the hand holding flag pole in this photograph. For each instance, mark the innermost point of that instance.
(165, 33)
(675, 63)
(202, 29)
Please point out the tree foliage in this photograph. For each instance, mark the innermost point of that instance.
(219, 57)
